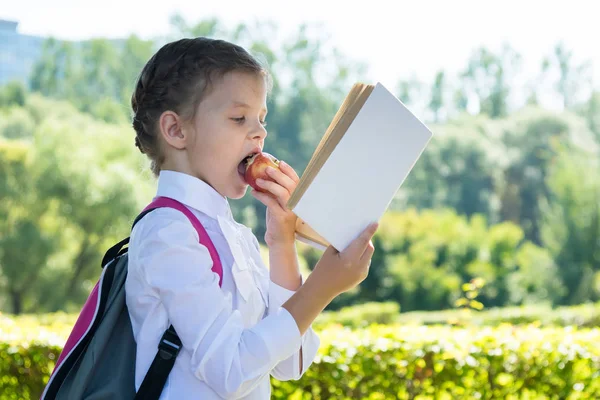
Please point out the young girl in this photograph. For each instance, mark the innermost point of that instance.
(199, 111)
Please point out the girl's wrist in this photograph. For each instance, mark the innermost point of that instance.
(284, 266)
(283, 246)
(320, 287)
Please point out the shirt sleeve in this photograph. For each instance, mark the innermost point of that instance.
(289, 369)
(229, 358)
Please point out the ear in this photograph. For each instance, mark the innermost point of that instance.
(171, 129)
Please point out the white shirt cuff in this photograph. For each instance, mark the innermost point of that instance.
(278, 295)
(280, 333)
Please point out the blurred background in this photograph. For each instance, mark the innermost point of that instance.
(490, 250)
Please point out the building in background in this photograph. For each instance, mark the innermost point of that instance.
(18, 53)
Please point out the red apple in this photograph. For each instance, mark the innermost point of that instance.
(256, 168)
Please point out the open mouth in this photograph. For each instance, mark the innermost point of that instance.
(245, 162)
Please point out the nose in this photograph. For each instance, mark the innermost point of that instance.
(259, 133)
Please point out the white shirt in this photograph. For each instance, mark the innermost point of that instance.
(235, 336)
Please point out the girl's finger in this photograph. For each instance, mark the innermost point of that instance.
(264, 198)
(281, 194)
(282, 179)
(289, 171)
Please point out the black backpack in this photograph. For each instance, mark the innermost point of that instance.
(98, 359)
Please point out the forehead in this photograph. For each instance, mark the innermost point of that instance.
(237, 88)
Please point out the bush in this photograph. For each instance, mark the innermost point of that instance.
(361, 315)
(16, 123)
(581, 316)
(584, 315)
(424, 257)
(380, 362)
(29, 346)
(403, 362)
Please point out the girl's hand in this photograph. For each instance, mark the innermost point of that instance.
(281, 221)
(340, 271)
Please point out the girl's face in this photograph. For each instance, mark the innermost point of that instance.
(228, 126)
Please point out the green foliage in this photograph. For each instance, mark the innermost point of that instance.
(509, 169)
(29, 347)
(471, 290)
(13, 94)
(398, 361)
(573, 78)
(360, 315)
(24, 370)
(585, 315)
(572, 224)
(97, 75)
(460, 169)
(70, 188)
(426, 256)
(534, 139)
(16, 123)
(487, 78)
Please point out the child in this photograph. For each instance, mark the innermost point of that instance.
(199, 111)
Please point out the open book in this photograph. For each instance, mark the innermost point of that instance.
(365, 155)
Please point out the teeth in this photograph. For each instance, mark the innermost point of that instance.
(248, 158)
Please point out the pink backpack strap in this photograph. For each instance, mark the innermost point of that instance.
(160, 202)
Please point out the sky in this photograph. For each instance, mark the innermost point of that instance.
(396, 39)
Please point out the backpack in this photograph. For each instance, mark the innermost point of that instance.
(98, 359)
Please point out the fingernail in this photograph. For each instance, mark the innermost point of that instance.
(270, 170)
(281, 162)
(260, 181)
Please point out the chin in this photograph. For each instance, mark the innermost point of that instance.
(236, 192)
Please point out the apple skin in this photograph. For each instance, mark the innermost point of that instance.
(256, 168)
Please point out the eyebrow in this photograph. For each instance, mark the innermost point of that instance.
(236, 104)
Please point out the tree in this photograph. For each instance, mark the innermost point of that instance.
(97, 75)
(591, 112)
(571, 223)
(488, 77)
(15, 123)
(531, 138)
(572, 78)
(409, 90)
(426, 256)
(132, 55)
(68, 192)
(436, 103)
(13, 94)
(460, 169)
(51, 73)
(23, 247)
(206, 27)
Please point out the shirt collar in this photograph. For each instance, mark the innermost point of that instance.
(193, 192)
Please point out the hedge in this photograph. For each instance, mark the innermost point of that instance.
(29, 346)
(438, 362)
(379, 362)
(359, 316)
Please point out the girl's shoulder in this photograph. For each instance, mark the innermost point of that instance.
(163, 224)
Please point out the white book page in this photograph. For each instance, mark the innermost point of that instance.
(360, 178)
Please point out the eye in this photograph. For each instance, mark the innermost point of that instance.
(239, 120)
(263, 123)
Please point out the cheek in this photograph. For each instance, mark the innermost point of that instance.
(215, 156)
(217, 147)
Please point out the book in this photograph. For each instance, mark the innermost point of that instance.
(360, 163)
